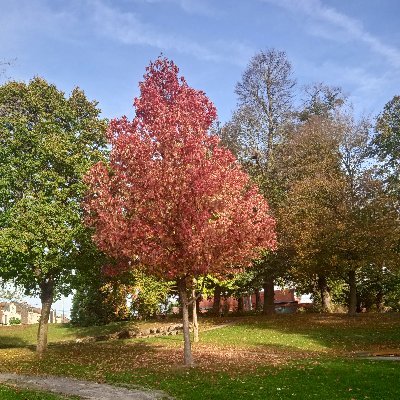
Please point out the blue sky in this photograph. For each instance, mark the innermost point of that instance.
(103, 46)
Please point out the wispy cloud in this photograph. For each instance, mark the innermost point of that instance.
(25, 18)
(199, 7)
(349, 28)
(128, 28)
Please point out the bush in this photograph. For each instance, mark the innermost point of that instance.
(14, 321)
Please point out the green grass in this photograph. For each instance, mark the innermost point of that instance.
(329, 379)
(297, 356)
(25, 335)
(314, 332)
(11, 393)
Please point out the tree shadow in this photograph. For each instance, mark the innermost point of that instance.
(97, 330)
(323, 332)
(9, 342)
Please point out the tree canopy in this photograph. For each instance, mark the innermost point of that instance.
(171, 198)
(47, 143)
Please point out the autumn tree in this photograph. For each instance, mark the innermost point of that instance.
(386, 143)
(336, 215)
(320, 100)
(171, 198)
(309, 214)
(265, 94)
(47, 143)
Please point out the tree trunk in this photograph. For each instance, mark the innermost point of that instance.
(187, 350)
(269, 296)
(217, 300)
(194, 314)
(326, 300)
(240, 304)
(46, 297)
(258, 299)
(379, 301)
(359, 307)
(353, 293)
(198, 301)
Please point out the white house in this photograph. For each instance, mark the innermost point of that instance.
(8, 311)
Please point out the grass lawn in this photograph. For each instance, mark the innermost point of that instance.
(298, 356)
(11, 393)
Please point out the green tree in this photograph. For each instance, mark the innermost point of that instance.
(47, 143)
(309, 213)
(10, 292)
(100, 299)
(386, 143)
(149, 294)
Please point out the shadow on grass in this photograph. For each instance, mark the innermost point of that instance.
(315, 332)
(9, 342)
(97, 330)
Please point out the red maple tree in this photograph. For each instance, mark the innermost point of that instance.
(171, 197)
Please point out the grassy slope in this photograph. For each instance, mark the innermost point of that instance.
(300, 356)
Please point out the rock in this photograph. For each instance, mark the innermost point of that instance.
(126, 334)
(87, 339)
(113, 336)
(178, 327)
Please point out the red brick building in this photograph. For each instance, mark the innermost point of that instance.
(285, 301)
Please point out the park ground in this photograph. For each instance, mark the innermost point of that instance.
(303, 356)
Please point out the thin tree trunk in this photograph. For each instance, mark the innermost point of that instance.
(269, 296)
(217, 300)
(258, 299)
(326, 300)
(187, 350)
(198, 301)
(46, 297)
(353, 293)
(194, 312)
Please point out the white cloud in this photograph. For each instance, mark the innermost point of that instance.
(25, 18)
(128, 28)
(345, 27)
(190, 6)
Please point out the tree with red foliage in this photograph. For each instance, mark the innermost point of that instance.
(171, 198)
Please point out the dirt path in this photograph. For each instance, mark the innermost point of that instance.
(83, 389)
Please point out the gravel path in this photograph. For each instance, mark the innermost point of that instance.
(83, 389)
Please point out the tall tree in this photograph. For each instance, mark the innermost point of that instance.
(386, 143)
(309, 214)
(172, 198)
(257, 127)
(265, 92)
(47, 143)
